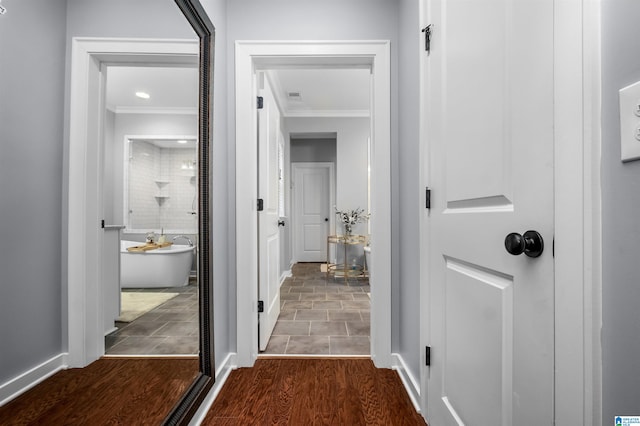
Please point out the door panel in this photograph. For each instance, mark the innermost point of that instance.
(490, 114)
(268, 234)
(312, 211)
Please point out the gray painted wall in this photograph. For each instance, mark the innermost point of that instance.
(407, 189)
(32, 38)
(620, 218)
(354, 20)
(313, 150)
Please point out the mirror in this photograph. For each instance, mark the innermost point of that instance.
(187, 406)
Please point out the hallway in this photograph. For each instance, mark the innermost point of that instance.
(322, 315)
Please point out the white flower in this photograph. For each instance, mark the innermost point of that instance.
(351, 217)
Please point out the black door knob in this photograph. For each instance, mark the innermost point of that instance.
(326, 219)
(531, 243)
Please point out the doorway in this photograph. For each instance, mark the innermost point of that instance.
(86, 186)
(251, 56)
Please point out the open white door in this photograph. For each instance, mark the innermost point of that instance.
(312, 210)
(490, 133)
(268, 234)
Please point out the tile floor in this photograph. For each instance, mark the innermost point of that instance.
(169, 329)
(322, 315)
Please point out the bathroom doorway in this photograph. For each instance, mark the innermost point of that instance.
(150, 188)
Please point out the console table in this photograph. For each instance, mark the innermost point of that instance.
(344, 269)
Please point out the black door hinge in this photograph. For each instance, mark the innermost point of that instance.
(260, 306)
(260, 204)
(428, 356)
(260, 102)
(102, 224)
(427, 202)
(427, 37)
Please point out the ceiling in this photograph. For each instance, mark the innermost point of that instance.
(323, 92)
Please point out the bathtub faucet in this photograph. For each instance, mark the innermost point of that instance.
(184, 237)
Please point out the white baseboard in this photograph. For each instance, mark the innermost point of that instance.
(222, 373)
(25, 381)
(410, 383)
(285, 275)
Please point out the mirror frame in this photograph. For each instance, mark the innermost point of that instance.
(185, 409)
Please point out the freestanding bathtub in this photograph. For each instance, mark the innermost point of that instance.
(165, 267)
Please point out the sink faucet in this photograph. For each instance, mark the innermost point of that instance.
(184, 237)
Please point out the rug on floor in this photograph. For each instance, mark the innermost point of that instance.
(135, 304)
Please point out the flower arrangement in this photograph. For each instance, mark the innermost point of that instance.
(351, 217)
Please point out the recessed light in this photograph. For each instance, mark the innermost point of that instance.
(182, 141)
(143, 95)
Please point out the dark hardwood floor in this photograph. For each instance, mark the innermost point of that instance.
(120, 391)
(276, 391)
(305, 392)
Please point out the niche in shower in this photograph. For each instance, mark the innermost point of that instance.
(160, 187)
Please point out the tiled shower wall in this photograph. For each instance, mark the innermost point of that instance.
(162, 188)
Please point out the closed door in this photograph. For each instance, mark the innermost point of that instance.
(268, 235)
(312, 210)
(490, 133)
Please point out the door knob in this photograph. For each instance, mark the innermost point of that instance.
(326, 219)
(531, 243)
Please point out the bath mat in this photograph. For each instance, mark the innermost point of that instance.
(135, 304)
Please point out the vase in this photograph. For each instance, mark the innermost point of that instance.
(347, 229)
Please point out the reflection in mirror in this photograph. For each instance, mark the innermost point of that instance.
(194, 396)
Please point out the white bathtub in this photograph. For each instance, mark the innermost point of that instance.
(165, 267)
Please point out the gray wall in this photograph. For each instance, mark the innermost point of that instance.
(32, 46)
(354, 20)
(406, 191)
(620, 218)
(313, 150)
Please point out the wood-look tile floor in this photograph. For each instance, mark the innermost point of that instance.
(306, 392)
(322, 315)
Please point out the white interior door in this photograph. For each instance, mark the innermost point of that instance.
(490, 134)
(312, 210)
(268, 235)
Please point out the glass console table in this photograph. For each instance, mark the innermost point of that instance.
(344, 269)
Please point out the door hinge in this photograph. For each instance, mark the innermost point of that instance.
(102, 224)
(427, 37)
(260, 204)
(427, 202)
(260, 102)
(260, 306)
(427, 355)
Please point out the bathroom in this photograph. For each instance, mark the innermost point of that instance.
(150, 187)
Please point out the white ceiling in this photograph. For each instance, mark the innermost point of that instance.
(170, 88)
(324, 92)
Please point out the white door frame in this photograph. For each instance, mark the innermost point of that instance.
(250, 55)
(577, 239)
(332, 198)
(85, 334)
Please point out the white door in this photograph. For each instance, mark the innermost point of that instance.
(490, 135)
(268, 235)
(312, 210)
